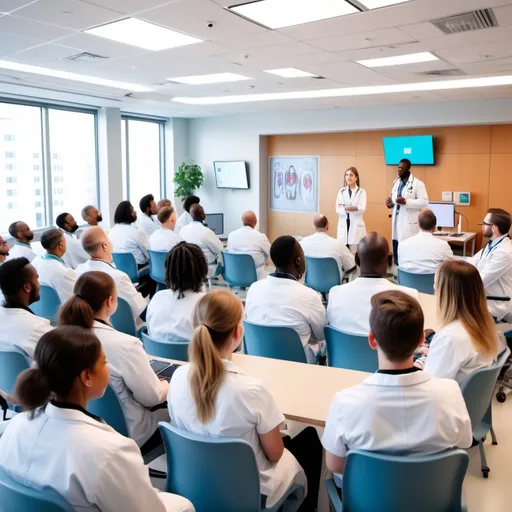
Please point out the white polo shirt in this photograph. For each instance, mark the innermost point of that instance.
(75, 254)
(129, 238)
(20, 250)
(53, 273)
(164, 239)
(205, 238)
(147, 224)
(247, 240)
(423, 253)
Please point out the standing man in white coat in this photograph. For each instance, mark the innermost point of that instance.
(146, 221)
(408, 197)
(74, 254)
(23, 235)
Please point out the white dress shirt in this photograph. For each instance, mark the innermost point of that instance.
(20, 250)
(205, 238)
(184, 219)
(75, 254)
(423, 253)
(53, 273)
(147, 224)
(129, 238)
(247, 240)
(164, 239)
(244, 409)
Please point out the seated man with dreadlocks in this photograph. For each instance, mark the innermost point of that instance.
(170, 313)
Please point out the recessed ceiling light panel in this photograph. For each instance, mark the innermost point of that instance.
(290, 73)
(399, 60)
(218, 78)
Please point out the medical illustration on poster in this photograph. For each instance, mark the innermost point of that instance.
(294, 183)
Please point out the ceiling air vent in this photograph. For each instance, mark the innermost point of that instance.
(467, 22)
(442, 72)
(86, 57)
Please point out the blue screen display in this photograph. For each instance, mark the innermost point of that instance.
(418, 149)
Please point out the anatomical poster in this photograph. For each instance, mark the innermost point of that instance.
(293, 183)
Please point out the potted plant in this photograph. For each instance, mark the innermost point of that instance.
(188, 178)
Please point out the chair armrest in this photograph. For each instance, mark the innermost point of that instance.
(334, 497)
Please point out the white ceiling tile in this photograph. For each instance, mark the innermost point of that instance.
(496, 92)
(415, 97)
(350, 73)
(466, 54)
(10, 44)
(129, 6)
(460, 95)
(11, 5)
(28, 28)
(488, 66)
(504, 15)
(424, 30)
(250, 41)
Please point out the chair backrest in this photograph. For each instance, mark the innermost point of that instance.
(16, 497)
(122, 319)
(109, 408)
(48, 304)
(157, 265)
(169, 349)
(426, 483)
(125, 261)
(349, 351)
(214, 473)
(239, 269)
(273, 341)
(424, 283)
(322, 274)
(12, 363)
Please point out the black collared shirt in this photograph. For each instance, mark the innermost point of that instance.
(75, 407)
(16, 305)
(400, 372)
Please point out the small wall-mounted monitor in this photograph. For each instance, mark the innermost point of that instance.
(215, 222)
(445, 214)
(418, 149)
(231, 174)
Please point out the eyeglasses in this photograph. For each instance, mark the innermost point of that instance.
(483, 223)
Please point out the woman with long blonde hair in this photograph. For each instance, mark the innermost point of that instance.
(467, 340)
(211, 396)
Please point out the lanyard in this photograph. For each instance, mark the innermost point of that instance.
(51, 257)
(491, 249)
(103, 261)
(23, 245)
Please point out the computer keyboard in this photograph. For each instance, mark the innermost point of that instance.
(441, 234)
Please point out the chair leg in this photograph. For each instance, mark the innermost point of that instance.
(483, 461)
(493, 437)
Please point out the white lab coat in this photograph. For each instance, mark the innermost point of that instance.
(349, 305)
(357, 226)
(147, 224)
(205, 238)
(164, 239)
(244, 409)
(129, 238)
(170, 317)
(184, 219)
(75, 254)
(495, 267)
(19, 250)
(288, 303)
(423, 253)
(53, 273)
(84, 460)
(405, 222)
(247, 240)
(321, 245)
(134, 381)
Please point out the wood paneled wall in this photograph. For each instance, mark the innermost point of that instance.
(477, 159)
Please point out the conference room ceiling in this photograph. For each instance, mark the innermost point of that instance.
(46, 33)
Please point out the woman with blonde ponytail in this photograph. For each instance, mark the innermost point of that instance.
(212, 397)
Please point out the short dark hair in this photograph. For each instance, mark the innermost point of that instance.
(427, 220)
(123, 213)
(61, 220)
(501, 219)
(406, 161)
(51, 238)
(13, 228)
(145, 202)
(185, 268)
(282, 251)
(85, 211)
(164, 214)
(396, 321)
(13, 275)
(189, 201)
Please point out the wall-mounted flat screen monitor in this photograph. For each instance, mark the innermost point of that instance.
(418, 149)
(231, 174)
(445, 214)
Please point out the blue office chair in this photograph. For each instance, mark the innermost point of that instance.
(478, 390)
(125, 261)
(48, 305)
(12, 363)
(274, 342)
(16, 497)
(177, 350)
(349, 351)
(157, 267)
(426, 483)
(122, 320)
(322, 274)
(217, 473)
(239, 269)
(424, 283)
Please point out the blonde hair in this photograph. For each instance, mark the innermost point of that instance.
(354, 171)
(216, 317)
(461, 296)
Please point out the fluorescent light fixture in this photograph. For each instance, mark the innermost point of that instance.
(290, 73)
(441, 85)
(375, 4)
(16, 66)
(142, 34)
(399, 60)
(286, 13)
(218, 78)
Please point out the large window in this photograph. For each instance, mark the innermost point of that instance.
(48, 159)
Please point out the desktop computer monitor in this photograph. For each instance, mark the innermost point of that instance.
(215, 222)
(445, 214)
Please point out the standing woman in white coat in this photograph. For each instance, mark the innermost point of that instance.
(57, 445)
(350, 206)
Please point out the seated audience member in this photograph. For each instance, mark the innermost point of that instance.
(350, 304)
(169, 315)
(397, 410)
(424, 252)
(148, 208)
(57, 445)
(321, 245)
(197, 233)
(467, 340)
(164, 238)
(91, 215)
(161, 204)
(212, 397)
(99, 247)
(185, 218)
(75, 254)
(19, 327)
(126, 236)
(23, 235)
(282, 300)
(494, 262)
(247, 240)
(50, 266)
(4, 250)
(131, 376)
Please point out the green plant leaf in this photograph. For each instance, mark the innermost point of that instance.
(188, 178)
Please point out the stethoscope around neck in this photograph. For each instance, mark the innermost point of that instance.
(409, 185)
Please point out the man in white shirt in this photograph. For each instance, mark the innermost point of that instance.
(185, 218)
(4, 250)
(398, 409)
(164, 239)
(161, 204)
(23, 235)
(98, 245)
(321, 245)
(91, 216)
(281, 300)
(50, 266)
(148, 208)
(349, 305)
(74, 254)
(197, 233)
(424, 252)
(246, 240)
